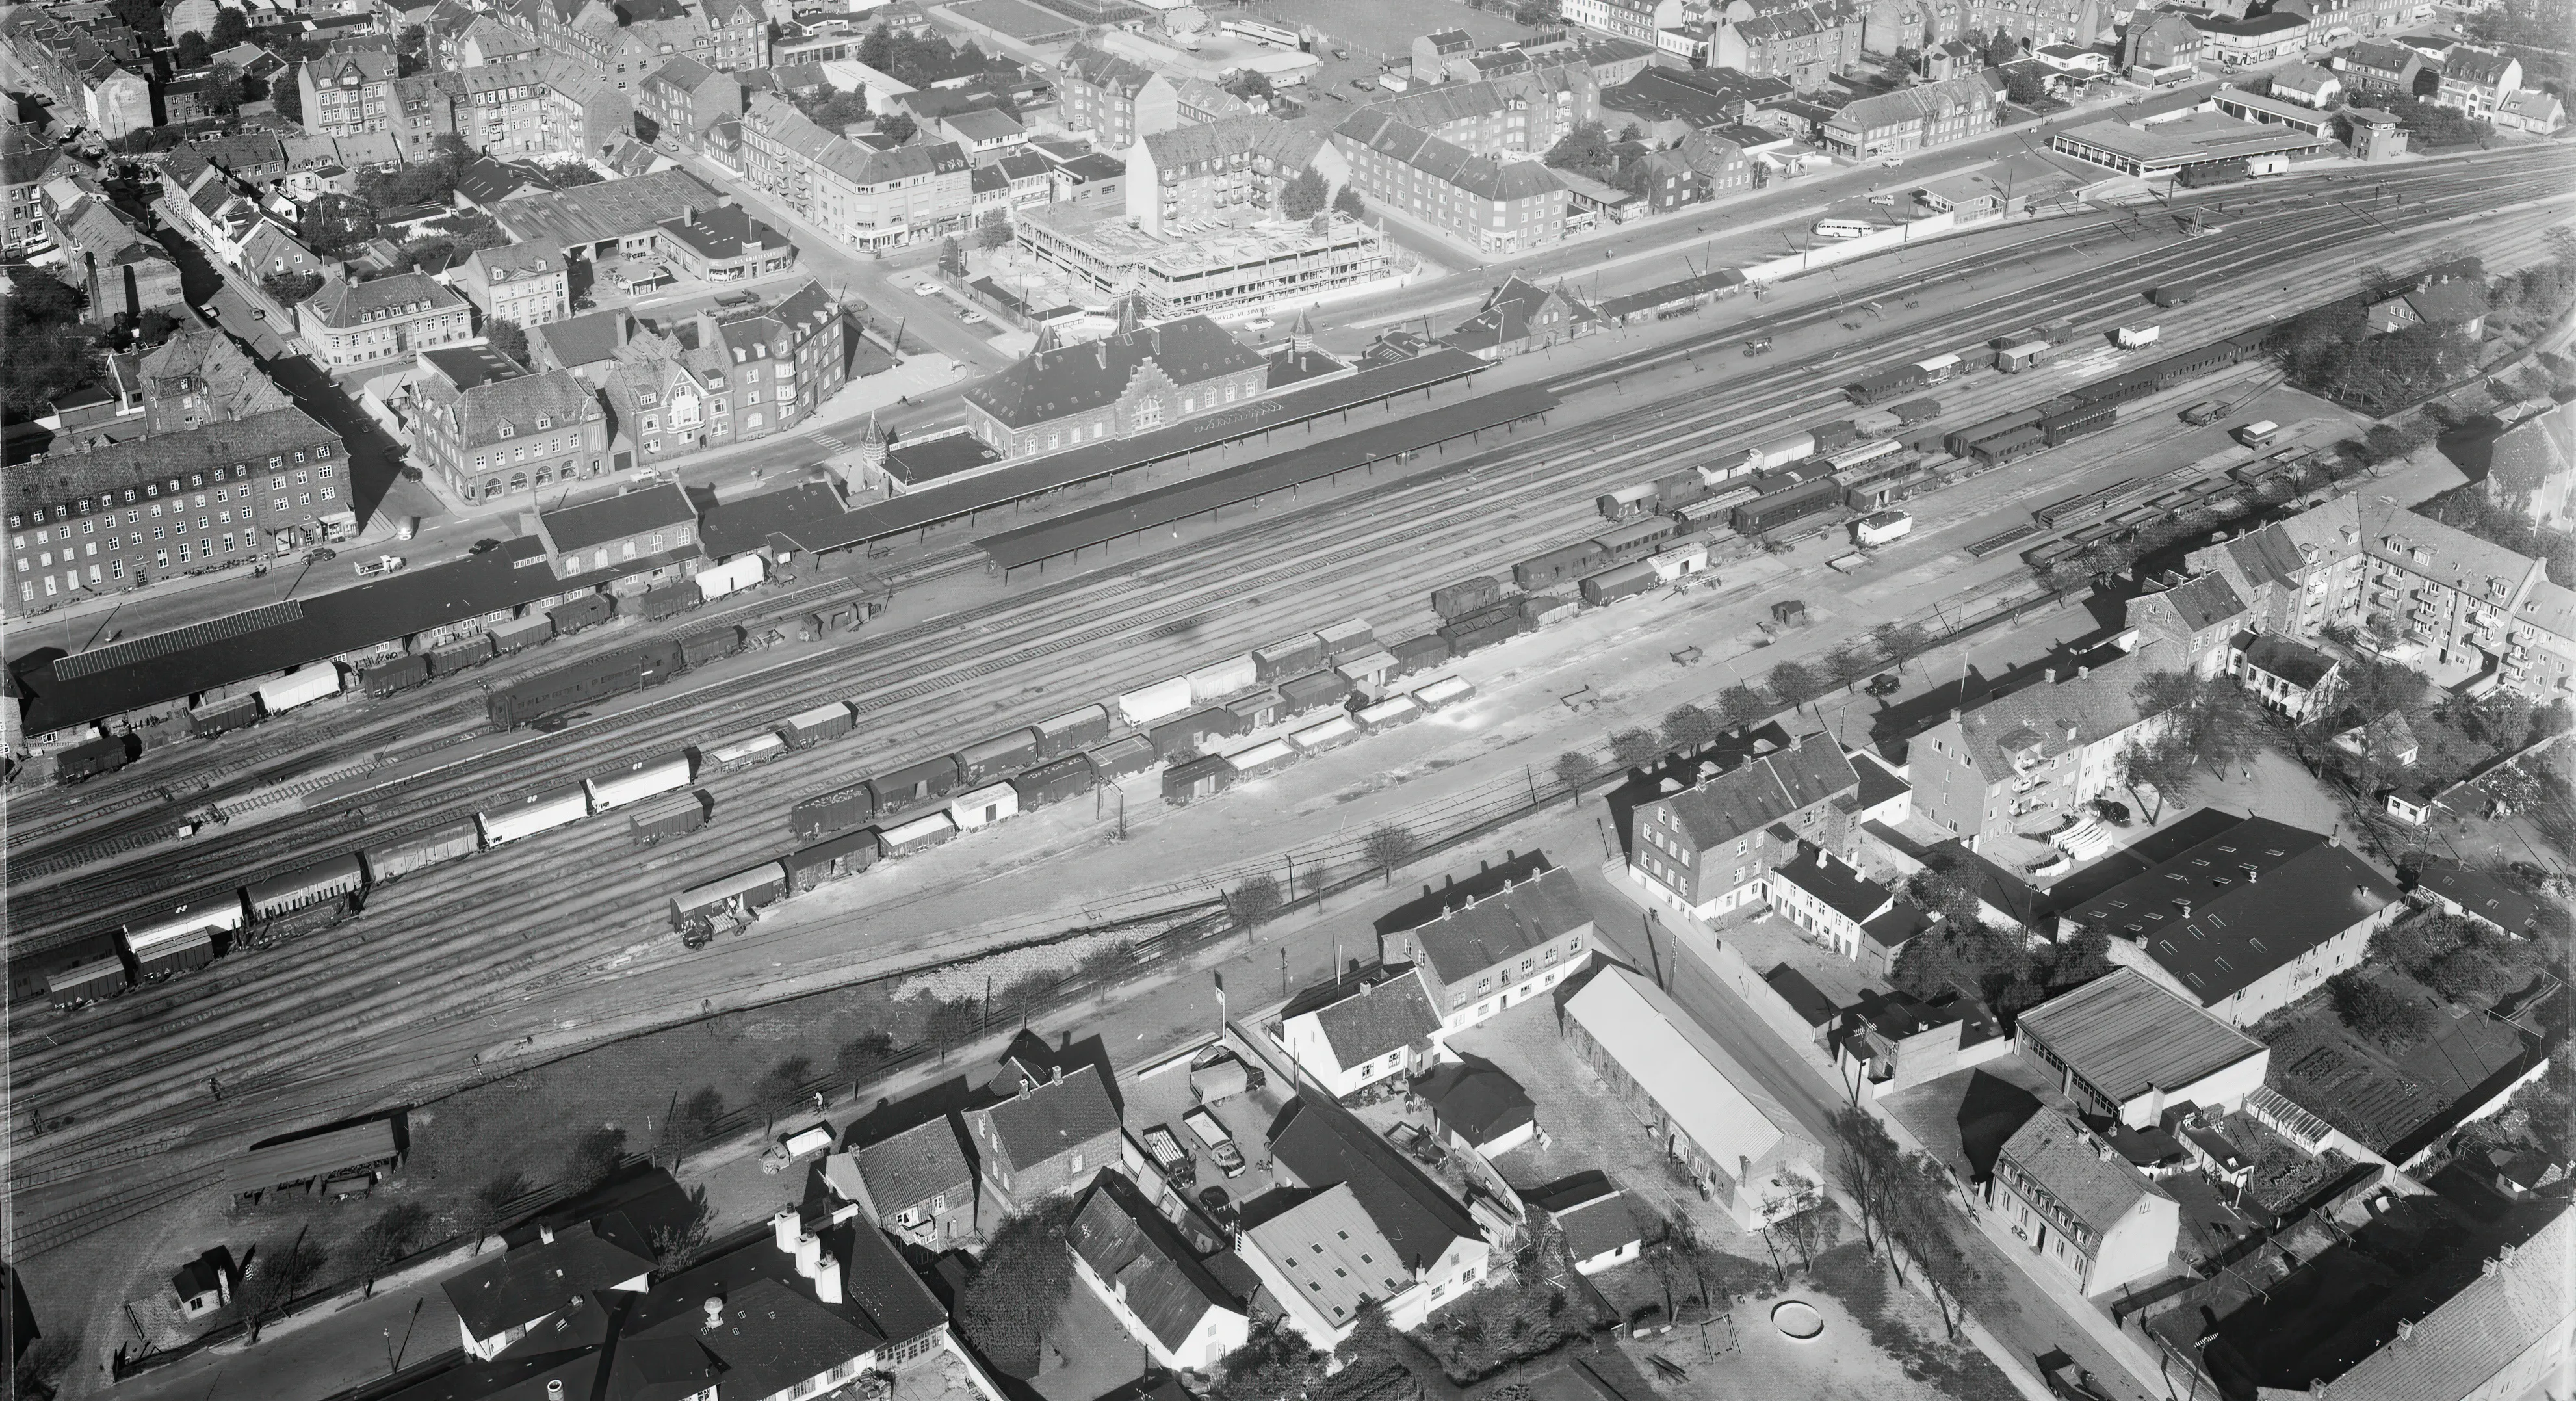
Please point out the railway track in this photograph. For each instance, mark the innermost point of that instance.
(1464, 496)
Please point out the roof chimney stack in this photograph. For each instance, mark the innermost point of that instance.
(545, 1233)
(714, 1307)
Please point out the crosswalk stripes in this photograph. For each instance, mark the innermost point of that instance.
(830, 443)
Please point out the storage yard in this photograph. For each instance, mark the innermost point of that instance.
(927, 704)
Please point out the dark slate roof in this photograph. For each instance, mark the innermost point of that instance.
(581, 340)
(1896, 927)
(1765, 790)
(1322, 1145)
(1132, 1247)
(539, 1278)
(1102, 69)
(1479, 177)
(1600, 1226)
(1475, 1099)
(2239, 905)
(342, 304)
(67, 475)
(2126, 1035)
(509, 1379)
(771, 1332)
(2481, 894)
(1377, 1018)
(888, 1297)
(1052, 1118)
(1497, 928)
(486, 181)
(1878, 782)
(2098, 1191)
(915, 1165)
(2203, 601)
(617, 517)
(1050, 384)
(2288, 658)
(1510, 314)
(1838, 887)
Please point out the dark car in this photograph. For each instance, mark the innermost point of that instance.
(1886, 683)
(2117, 814)
(1218, 1205)
(323, 554)
(483, 547)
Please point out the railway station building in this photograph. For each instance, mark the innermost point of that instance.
(2169, 146)
(1138, 379)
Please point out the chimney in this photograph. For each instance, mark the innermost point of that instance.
(2083, 671)
(827, 1280)
(2183, 903)
(545, 1233)
(809, 1254)
(2052, 676)
(714, 1307)
(554, 1389)
(1101, 348)
(784, 1228)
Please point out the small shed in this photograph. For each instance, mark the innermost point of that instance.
(1601, 1233)
(1789, 613)
(1478, 1106)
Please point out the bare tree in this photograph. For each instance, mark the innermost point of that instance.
(1636, 749)
(490, 1205)
(1796, 683)
(388, 1238)
(276, 1279)
(1865, 1163)
(1809, 1231)
(1573, 769)
(1897, 641)
(1386, 847)
(1254, 899)
(2155, 766)
(38, 1372)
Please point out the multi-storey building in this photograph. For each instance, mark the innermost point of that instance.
(1800, 42)
(1491, 948)
(421, 109)
(1639, 21)
(2252, 42)
(687, 97)
(1917, 118)
(1705, 849)
(1134, 381)
(2199, 615)
(1522, 114)
(746, 377)
(2164, 47)
(581, 113)
(1227, 172)
(521, 283)
(1719, 165)
(1487, 204)
(1113, 100)
(2475, 80)
(95, 73)
(2081, 1208)
(915, 1182)
(737, 35)
(503, 112)
(122, 269)
(2376, 69)
(1207, 273)
(347, 93)
(861, 196)
(127, 515)
(1047, 1138)
(199, 377)
(27, 161)
(495, 432)
(1369, 1226)
(352, 325)
(2032, 758)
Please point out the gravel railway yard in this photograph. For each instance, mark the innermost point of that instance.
(448, 971)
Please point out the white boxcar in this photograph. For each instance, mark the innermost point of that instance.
(301, 687)
(1880, 528)
(328, 880)
(740, 572)
(1160, 701)
(1261, 759)
(1387, 714)
(1689, 557)
(537, 812)
(1314, 739)
(1231, 677)
(916, 835)
(746, 751)
(985, 806)
(222, 913)
(1446, 691)
(645, 778)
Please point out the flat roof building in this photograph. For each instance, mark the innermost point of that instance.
(2126, 1048)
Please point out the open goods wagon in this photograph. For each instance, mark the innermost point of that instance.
(596, 679)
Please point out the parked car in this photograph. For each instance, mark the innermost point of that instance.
(381, 564)
(1219, 1206)
(970, 316)
(1364, 84)
(1886, 683)
(2115, 813)
(738, 299)
(483, 547)
(927, 289)
(321, 555)
(1259, 323)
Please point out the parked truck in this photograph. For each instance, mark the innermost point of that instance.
(1220, 1144)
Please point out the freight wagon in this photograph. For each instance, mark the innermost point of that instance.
(1261, 759)
(1255, 711)
(674, 816)
(1194, 733)
(1230, 677)
(694, 912)
(929, 781)
(519, 634)
(1465, 596)
(670, 600)
(1768, 513)
(1914, 411)
(642, 779)
(1886, 384)
(84, 970)
(302, 687)
(1312, 691)
(1124, 758)
(1860, 456)
(1387, 714)
(835, 859)
(1559, 566)
(1160, 701)
(1293, 657)
(1960, 440)
(2004, 447)
(2174, 293)
(1068, 777)
(1367, 671)
(1419, 653)
(1779, 452)
(1627, 503)
(734, 754)
(449, 658)
(732, 576)
(181, 942)
(808, 728)
(587, 611)
(1627, 581)
(1072, 732)
(335, 879)
(836, 811)
(399, 674)
(596, 679)
(394, 860)
(1637, 538)
(1347, 639)
(538, 812)
(1205, 777)
(920, 834)
(1332, 733)
(2077, 422)
(90, 758)
(223, 717)
(997, 758)
(712, 644)
(982, 807)
(1443, 693)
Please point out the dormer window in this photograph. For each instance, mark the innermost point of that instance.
(508, 430)
(544, 423)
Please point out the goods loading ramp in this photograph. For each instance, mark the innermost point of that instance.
(1099, 525)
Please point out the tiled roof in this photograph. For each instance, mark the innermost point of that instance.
(2481, 894)
(2467, 65)
(2450, 303)
(1745, 800)
(1927, 102)
(1330, 1244)
(532, 1280)
(1051, 1118)
(770, 1334)
(2466, 1340)
(1600, 1226)
(2302, 77)
(1378, 1019)
(2293, 661)
(681, 74)
(515, 260)
(1323, 1146)
(1480, 177)
(2126, 1035)
(609, 209)
(618, 517)
(2227, 912)
(2095, 1188)
(581, 340)
(1510, 314)
(1475, 1099)
(342, 304)
(2202, 602)
(1702, 1089)
(915, 1165)
(1835, 885)
(1139, 1254)
(1206, 141)
(1050, 384)
(1497, 928)
(65, 476)
(2057, 719)
(1101, 69)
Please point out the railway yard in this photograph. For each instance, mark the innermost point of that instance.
(540, 945)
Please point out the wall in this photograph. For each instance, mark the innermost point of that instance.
(1845, 250)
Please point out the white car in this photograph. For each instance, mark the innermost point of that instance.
(927, 289)
(1259, 323)
(1891, 162)
(970, 316)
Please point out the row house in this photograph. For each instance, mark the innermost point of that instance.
(2200, 615)
(1705, 849)
(420, 109)
(1373, 1024)
(1800, 42)
(27, 162)
(2032, 758)
(1136, 380)
(858, 195)
(1917, 118)
(1115, 101)
(2091, 1218)
(2475, 81)
(121, 268)
(136, 512)
(96, 75)
(1496, 943)
(746, 377)
(1489, 205)
(1051, 1133)
(2375, 69)
(1153, 1281)
(353, 325)
(1638, 21)
(916, 1182)
(347, 93)
(494, 432)
(2253, 42)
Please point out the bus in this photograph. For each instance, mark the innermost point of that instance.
(1843, 228)
(1267, 34)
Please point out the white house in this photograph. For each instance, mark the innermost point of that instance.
(1359, 1029)
(2080, 1207)
(1600, 1232)
(1152, 1281)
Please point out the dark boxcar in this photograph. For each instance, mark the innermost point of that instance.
(217, 717)
(1347, 639)
(615, 674)
(995, 759)
(1783, 507)
(1072, 732)
(450, 658)
(1195, 732)
(1184, 784)
(80, 971)
(1254, 711)
(1558, 566)
(1132, 755)
(521, 633)
(2021, 442)
(1067, 777)
(400, 674)
(89, 759)
(1419, 653)
(1476, 639)
(587, 611)
(1313, 691)
(927, 781)
(311, 919)
(1465, 596)
(1914, 411)
(2075, 423)
(1293, 657)
(1835, 436)
(399, 858)
(808, 728)
(845, 855)
(1680, 489)
(700, 648)
(836, 811)
(1612, 585)
(2174, 293)
(675, 815)
(1639, 538)
(671, 600)
(1960, 440)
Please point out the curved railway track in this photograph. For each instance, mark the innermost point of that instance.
(575, 873)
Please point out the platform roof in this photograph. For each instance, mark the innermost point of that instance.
(1112, 520)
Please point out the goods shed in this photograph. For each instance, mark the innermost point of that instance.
(346, 1158)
